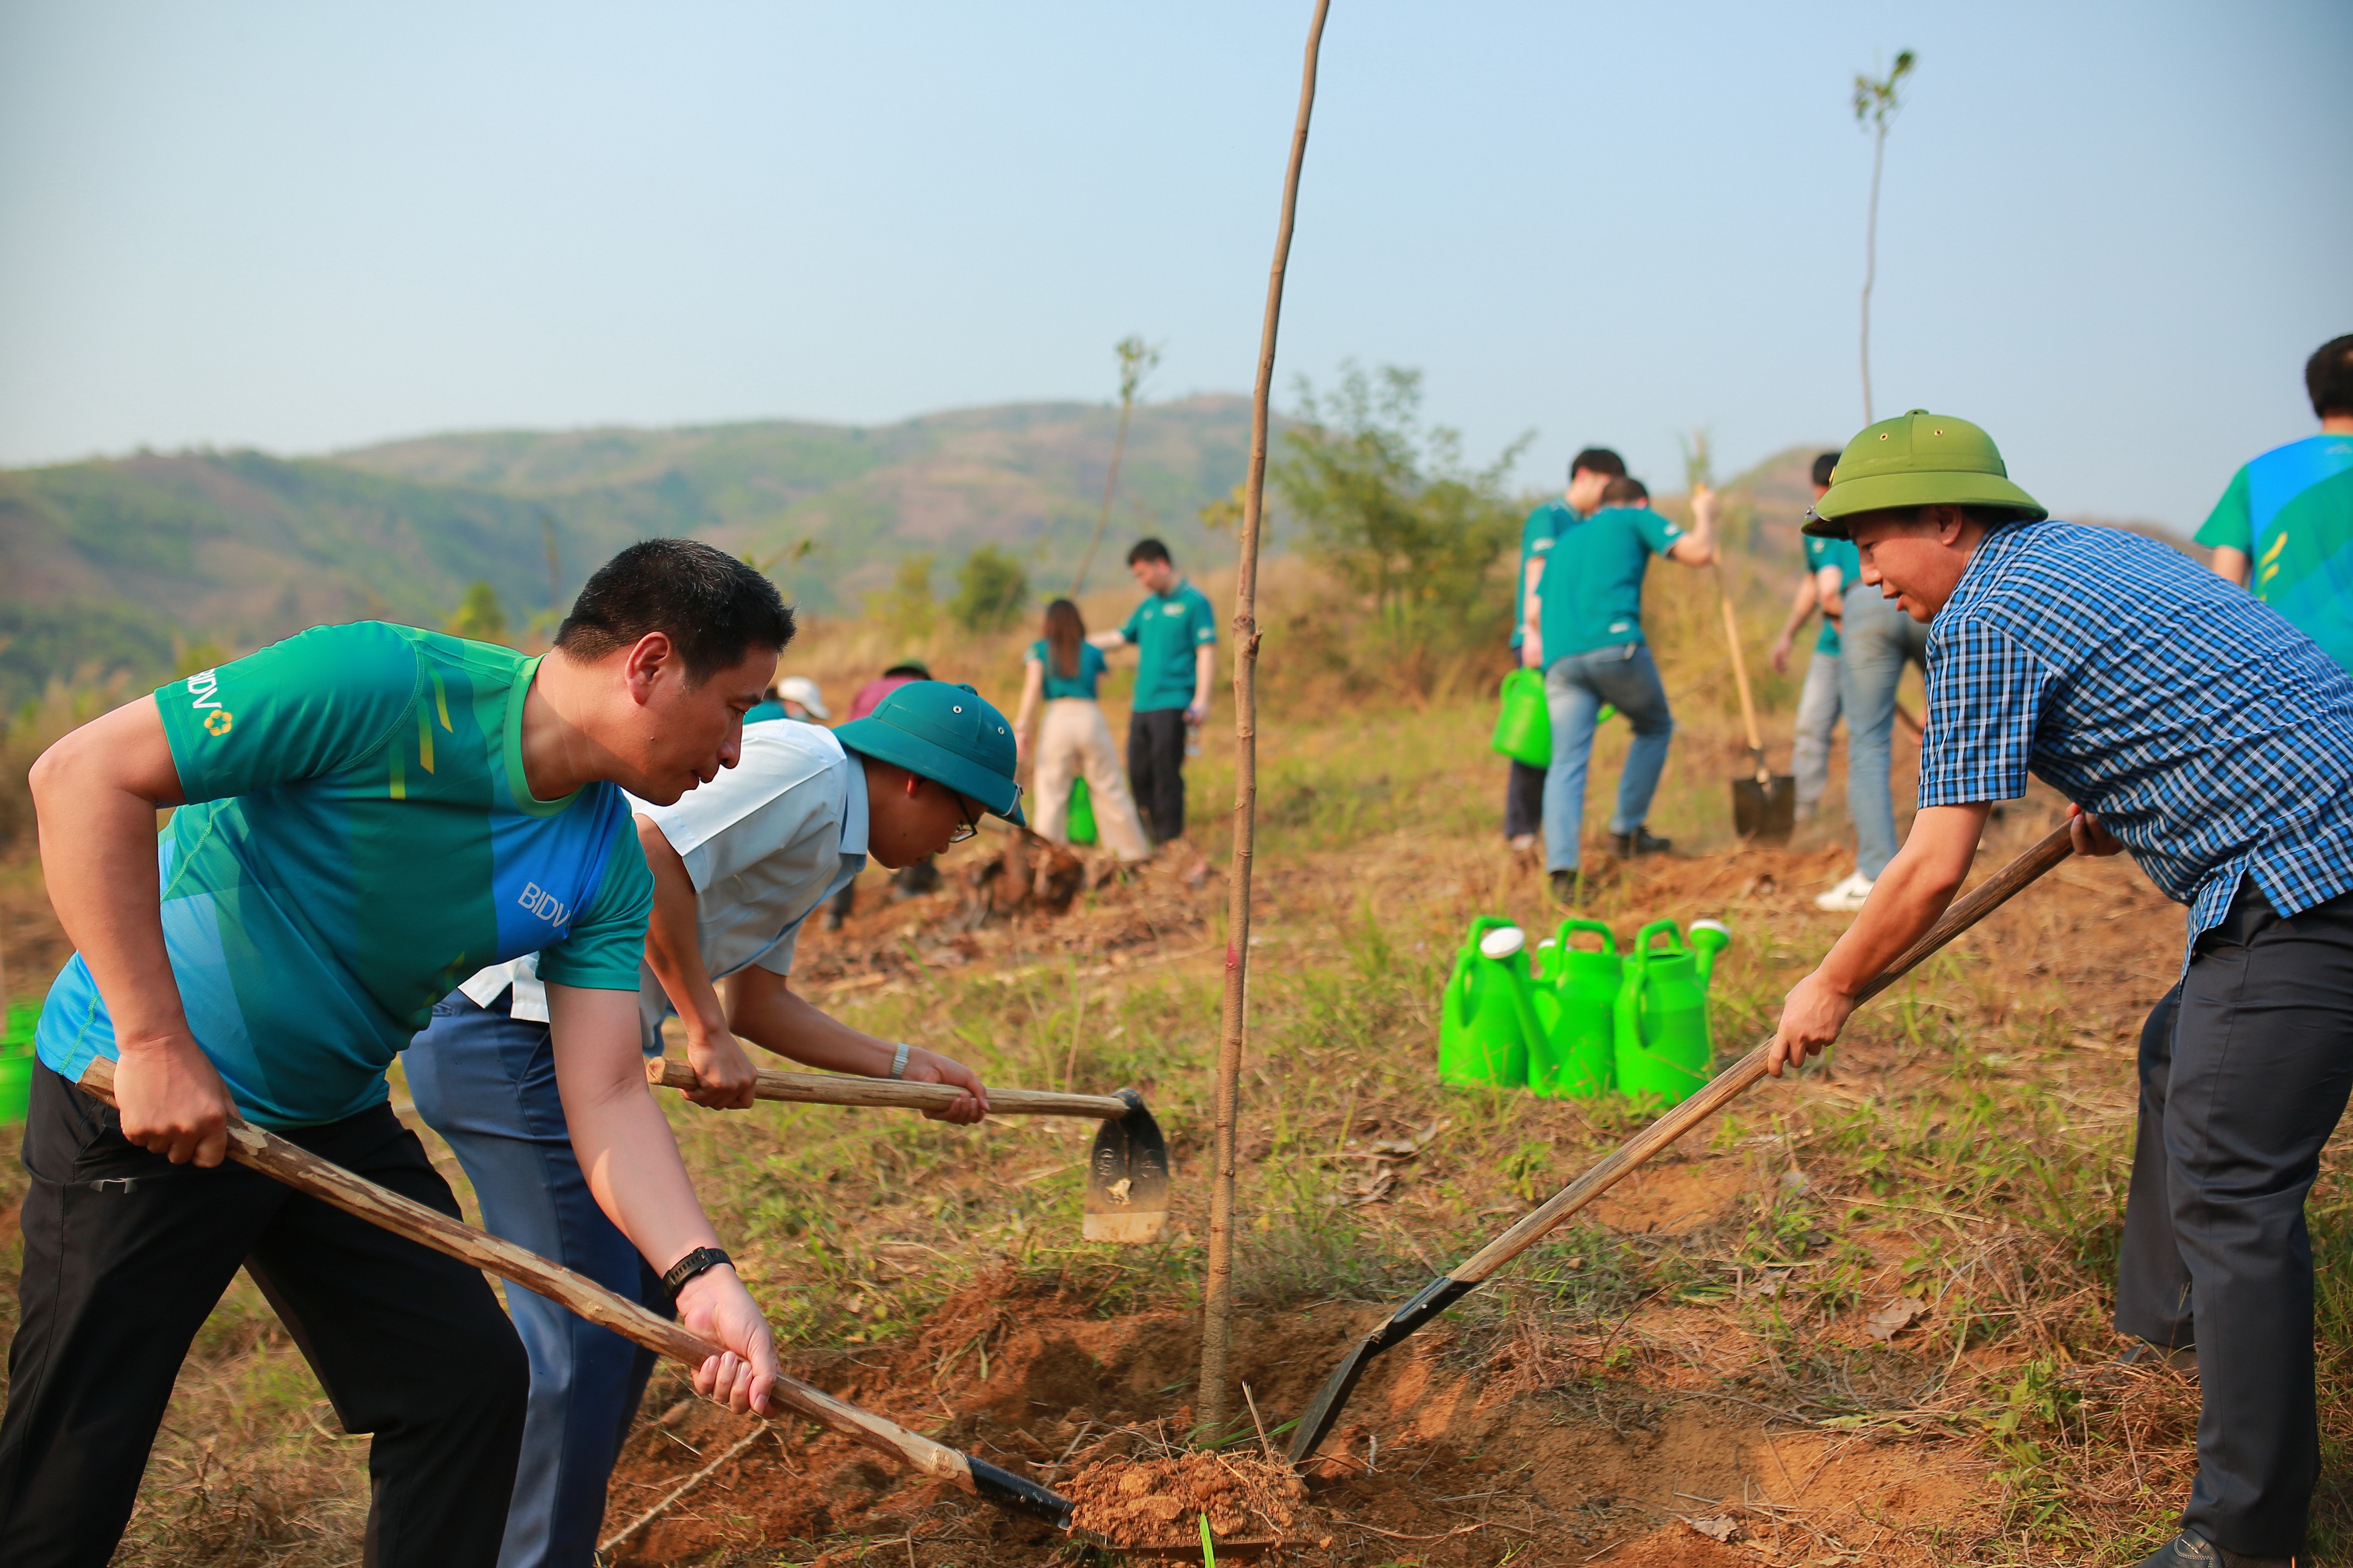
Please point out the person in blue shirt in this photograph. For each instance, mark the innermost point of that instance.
(2202, 731)
(1059, 680)
(1594, 652)
(1831, 571)
(1175, 633)
(2284, 528)
(1588, 472)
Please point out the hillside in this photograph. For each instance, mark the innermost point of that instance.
(113, 563)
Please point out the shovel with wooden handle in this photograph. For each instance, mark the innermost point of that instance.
(1127, 1170)
(331, 1183)
(1443, 1292)
(1764, 808)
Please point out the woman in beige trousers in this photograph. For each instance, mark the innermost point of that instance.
(1073, 742)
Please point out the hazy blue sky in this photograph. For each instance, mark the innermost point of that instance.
(2110, 232)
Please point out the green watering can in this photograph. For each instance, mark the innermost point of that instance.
(16, 1062)
(1485, 1017)
(1081, 828)
(1663, 1050)
(1524, 723)
(1576, 1002)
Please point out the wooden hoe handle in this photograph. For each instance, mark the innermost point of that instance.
(1742, 1075)
(835, 1089)
(306, 1173)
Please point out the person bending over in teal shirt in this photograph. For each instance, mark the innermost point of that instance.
(365, 816)
(2284, 528)
(1594, 653)
(1175, 635)
(1589, 473)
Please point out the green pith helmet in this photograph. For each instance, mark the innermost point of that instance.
(1918, 458)
(948, 733)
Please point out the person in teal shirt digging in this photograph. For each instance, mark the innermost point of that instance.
(2284, 528)
(365, 816)
(1175, 635)
(1831, 568)
(1595, 654)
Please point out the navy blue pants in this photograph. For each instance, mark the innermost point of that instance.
(485, 1080)
(2244, 1069)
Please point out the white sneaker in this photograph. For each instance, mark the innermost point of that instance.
(1847, 897)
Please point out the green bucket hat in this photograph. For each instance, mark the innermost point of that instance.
(946, 733)
(1918, 458)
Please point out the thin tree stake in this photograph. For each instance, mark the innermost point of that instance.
(1217, 1296)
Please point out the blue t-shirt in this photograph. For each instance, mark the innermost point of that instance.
(1165, 629)
(1537, 534)
(1091, 672)
(2290, 512)
(358, 839)
(1592, 595)
(1842, 554)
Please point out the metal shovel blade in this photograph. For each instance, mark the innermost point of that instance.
(1764, 809)
(1127, 1178)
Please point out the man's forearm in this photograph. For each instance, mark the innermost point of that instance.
(1910, 894)
(624, 1145)
(673, 947)
(1205, 673)
(766, 1010)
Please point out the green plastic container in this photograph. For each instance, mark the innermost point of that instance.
(1663, 1051)
(1486, 1017)
(1081, 824)
(16, 1062)
(1524, 724)
(1576, 1003)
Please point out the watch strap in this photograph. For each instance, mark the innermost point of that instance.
(700, 1261)
(899, 1061)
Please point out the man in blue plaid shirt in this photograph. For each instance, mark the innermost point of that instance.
(2196, 728)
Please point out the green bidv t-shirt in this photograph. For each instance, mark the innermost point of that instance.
(1592, 594)
(1842, 554)
(1165, 629)
(358, 841)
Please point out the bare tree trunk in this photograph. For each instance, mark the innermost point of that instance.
(1218, 1301)
(1871, 260)
(1111, 483)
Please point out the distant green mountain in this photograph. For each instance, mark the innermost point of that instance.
(114, 563)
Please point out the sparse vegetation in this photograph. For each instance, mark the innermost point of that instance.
(991, 592)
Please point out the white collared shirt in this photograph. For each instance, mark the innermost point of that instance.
(765, 844)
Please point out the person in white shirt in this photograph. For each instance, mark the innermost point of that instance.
(738, 865)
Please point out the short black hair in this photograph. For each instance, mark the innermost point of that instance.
(1597, 461)
(713, 607)
(1622, 491)
(1146, 550)
(2328, 377)
(1824, 466)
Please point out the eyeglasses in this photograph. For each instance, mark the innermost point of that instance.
(965, 826)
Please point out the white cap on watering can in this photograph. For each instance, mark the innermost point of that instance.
(1502, 942)
(1716, 926)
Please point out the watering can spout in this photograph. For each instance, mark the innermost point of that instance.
(1709, 938)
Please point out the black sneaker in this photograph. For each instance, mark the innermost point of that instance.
(1641, 841)
(2143, 1356)
(1569, 890)
(2192, 1550)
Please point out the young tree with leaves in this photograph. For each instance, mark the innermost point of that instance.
(1137, 359)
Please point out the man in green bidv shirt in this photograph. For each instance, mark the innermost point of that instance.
(366, 814)
(1589, 473)
(1595, 654)
(2284, 528)
(1175, 636)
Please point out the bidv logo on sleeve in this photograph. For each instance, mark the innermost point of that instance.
(547, 870)
(204, 696)
(544, 906)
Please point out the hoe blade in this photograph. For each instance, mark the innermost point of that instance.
(1127, 1178)
(1323, 1412)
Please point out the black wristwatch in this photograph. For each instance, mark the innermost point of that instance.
(701, 1260)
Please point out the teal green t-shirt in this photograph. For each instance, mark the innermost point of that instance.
(1537, 534)
(1083, 684)
(2290, 511)
(1165, 629)
(1592, 595)
(1842, 554)
(358, 839)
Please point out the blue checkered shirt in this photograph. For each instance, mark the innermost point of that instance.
(2211, 737)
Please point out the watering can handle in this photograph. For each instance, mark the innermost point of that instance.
(1642, 938)
(1597, 928)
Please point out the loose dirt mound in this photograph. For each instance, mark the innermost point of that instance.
(1160, 1502)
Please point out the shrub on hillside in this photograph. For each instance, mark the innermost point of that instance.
(991, 590)
(1390, 506)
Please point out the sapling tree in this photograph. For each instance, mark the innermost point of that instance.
(1137, 359)
(1876, 101)
(991, 590)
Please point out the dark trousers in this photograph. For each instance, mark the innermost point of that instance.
(1524, 800)
(1155, 770)
(125, 1254)
(2244, 1069)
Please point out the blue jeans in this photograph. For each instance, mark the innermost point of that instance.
(485, 1080)
(1627, 678)
(1875, 638)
